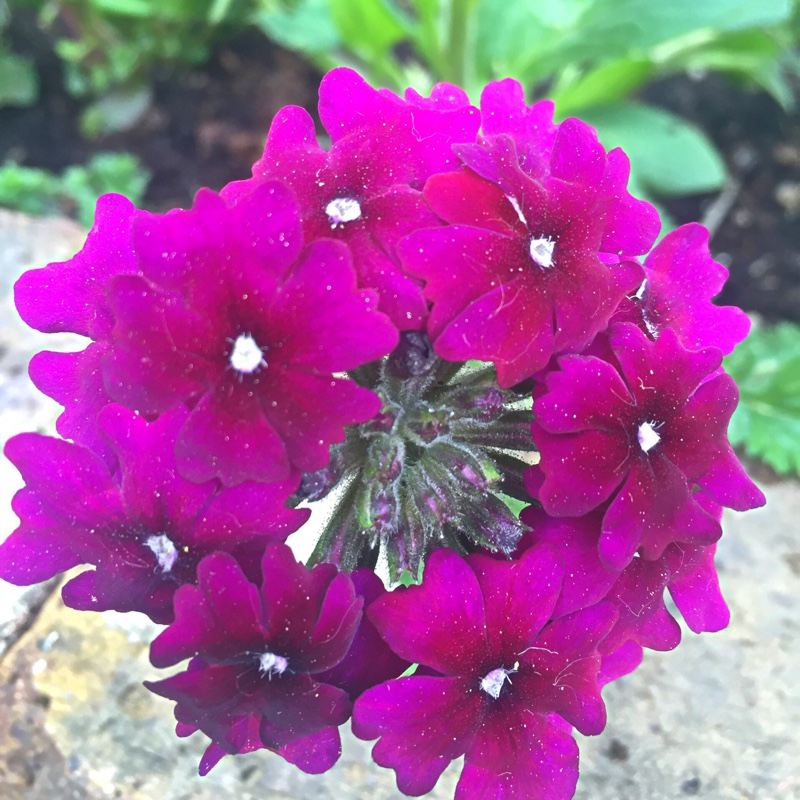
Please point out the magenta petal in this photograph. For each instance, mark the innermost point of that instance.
(68, 296)
(586, 580)
(560, 673)
(369, 661)
(424, 723)
(698, 597)
(218, 617)
(310, 413)
(581, 469)
(67, 479)
(330, 326)
(75, 380)
(150, 483)
(28, 556)
(519, 597)
(632, 225)
(146, 370)
(228, 436)
(520, 757)
(441, 623)
(336, 625)
(399, 296)
(653, 508)
(682, 279)
(583, 394)
(316, 753)
(298, 707)
(621, 662)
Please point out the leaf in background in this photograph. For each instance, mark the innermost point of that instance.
(427, 32)
(767, 422)
(306, 26)
(126, 8)
(370, 29)
(649, 23)
(105, 172)
(367, 25)
(19, 83)
(607, 83)
(669, 156)
(27, 189)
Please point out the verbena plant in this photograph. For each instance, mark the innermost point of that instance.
(377, 345)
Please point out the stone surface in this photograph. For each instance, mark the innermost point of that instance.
(719, 718)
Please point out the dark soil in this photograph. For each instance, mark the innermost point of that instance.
(207, 126)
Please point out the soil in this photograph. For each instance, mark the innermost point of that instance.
(206, 127)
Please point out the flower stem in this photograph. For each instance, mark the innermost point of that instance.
(455, 65)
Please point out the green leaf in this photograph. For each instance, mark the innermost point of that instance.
(126, 8)
(642, 24)
(33, 191)
(19, 83)
(669, 156)
(306, 26)
(370, 28)
(608, 83)
(767, 422)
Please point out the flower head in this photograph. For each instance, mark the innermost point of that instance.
(142, 526)
(642, 434)
(501, 679)
(538, 252)
(233, 317)
(257, 652)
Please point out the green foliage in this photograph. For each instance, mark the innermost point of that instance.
(37, 191)
(19, 84)
(767, 422)
(669, 156)
(120, 43)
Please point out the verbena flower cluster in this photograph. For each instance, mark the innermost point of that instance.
(449, 315)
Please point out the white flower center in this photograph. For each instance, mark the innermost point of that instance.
(648, 436)
(270, 664)
(493, 682)
(542, 251)
(164, 550)
(246, 356)
(343, 209)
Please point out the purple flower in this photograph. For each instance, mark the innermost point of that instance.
(500, 678)
(364, 190)
(69, 296)
(687, 571)
(257, 655)
(641, 435)
(142, 526)
(234, 318)
(421, 130)
(680, 280)
(537, 256)
(369, 661)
